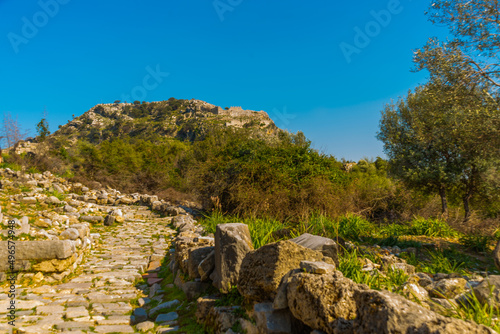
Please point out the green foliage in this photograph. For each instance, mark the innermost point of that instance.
(42, 128)
(353, 227)
(476, 242)
(350, 265)
(446, 261)
(261, 230)
(248, 175)
(431, 228)
(481, 313)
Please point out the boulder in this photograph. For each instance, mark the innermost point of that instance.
(323, 302)
(385, 312)
(315, 242)
(262, 270)
(232, 244)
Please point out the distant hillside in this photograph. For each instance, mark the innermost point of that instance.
(181, 119)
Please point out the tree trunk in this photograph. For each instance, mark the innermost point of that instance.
(469, 191)
(444, 202)
(466, 200)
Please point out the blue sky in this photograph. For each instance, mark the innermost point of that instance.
(322, 67)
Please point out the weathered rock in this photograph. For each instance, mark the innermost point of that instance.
(488, 291)
(179, 220)
(145, 326)
(171, 316)
(52, 200)
(207, 266)
(70, 234)
(55, 265)
(162, 307)
(272, 321)
(448, 288)
(43, 223)
(29, 200)
(441, 304)
(317, 267)
(413, 291)
(83, 230)
(92, 219)
(109, 220)
(232, 243)
(221, 318)
(204, 305)
(195, 257)
(140, 315)
(40, 250)
(261, 270)
(281, 300)
(408, 269)
(315, 242)
(183, 247)
(194, 289)
(323, 302)
(248, 327)
(385, 312)
(69, 208)
(424, 279)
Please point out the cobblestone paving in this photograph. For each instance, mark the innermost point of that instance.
(99, 297)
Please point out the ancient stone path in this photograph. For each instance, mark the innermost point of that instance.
(102, 294)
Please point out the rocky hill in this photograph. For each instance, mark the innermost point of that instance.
(182, 119)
